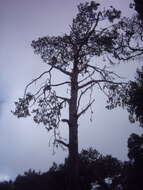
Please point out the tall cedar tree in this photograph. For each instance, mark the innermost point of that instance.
(93, 34)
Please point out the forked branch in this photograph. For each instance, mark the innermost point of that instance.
(85, 109)
(33, 81)
(82, 93)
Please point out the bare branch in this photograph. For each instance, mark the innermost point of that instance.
(130, 57)
(102, 89)
(63, 98)
(98, 81)
(37, 79)
(62, 142)
(60, 69)
(65, 121)
(39, 90)
(104, 71)
(60, 84)
(89, 76)
(85, 109)
(82, 93)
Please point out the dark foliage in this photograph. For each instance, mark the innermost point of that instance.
(94, 167)
(133, 99)
(135, 146)
(133, 170)
(138, 5)
(130, 97)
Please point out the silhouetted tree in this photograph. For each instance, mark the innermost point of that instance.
(131, 42)
(93, 34)
(93, 168)
(135, 146)
(6, 185)
(134, 101)
(131, 98)
(28, 181)
(132, 171)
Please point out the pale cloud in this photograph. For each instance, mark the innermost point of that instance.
(4, 177)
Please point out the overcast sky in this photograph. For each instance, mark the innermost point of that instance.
(23, 144)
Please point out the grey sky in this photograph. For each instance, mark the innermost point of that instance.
(24, 145)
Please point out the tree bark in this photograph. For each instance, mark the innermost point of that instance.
(73, 160)
(73, 133)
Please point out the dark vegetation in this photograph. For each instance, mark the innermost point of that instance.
(94, 168)
(132, 99)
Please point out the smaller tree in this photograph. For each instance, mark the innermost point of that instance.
(135, 146)
(131, 48)
(95, 167)
(130, 98)
(132, 173)
(130, 42)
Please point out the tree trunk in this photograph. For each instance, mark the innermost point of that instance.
(73, 134)
(73, 160)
